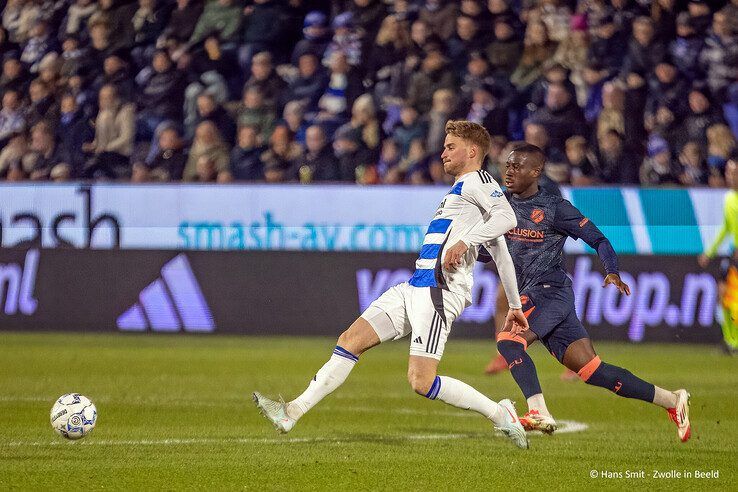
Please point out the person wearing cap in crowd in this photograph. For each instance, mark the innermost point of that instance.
(345, 40)
(316, 36)
(658, 168)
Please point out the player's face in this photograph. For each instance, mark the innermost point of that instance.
(455, 155)
(520, 172)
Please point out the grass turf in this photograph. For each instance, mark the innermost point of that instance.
(175, 412)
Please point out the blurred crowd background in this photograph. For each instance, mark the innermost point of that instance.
(617, 92)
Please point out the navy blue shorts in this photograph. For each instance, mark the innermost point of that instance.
(552, 317)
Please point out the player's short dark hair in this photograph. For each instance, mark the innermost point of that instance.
(471, 132)
(530, 149)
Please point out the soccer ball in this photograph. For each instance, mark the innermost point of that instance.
(73, 416)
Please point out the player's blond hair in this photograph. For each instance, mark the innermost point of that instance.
(471, 132)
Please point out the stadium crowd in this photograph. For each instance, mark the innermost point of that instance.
(619, 91)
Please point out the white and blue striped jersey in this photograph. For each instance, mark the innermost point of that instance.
(474, 211)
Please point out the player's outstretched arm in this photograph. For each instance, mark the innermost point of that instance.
(515, 322)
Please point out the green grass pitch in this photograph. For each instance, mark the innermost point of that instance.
(175, 413)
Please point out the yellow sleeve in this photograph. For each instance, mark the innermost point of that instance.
(730, 218)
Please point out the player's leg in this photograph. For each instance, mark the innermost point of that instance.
(431, 317)
(375, 325)
(729, 324)
(498, 363)
(580, 356)
(544, 313)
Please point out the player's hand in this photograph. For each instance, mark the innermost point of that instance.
(614, 279)
(703, 260)
(515, 322)
(452, 258)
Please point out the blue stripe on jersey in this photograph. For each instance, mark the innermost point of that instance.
(423, 277)
(438, 226)
(429, 251)
(456, 190)
(345, 354)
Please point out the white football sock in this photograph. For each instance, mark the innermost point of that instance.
(329, 377)
(664, 398)
(537, 402)
(461, 395)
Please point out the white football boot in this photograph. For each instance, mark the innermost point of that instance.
(512, 427)
(680, 415)
(275, 412)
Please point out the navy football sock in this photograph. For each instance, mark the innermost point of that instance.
(616, 379)
(521, 366)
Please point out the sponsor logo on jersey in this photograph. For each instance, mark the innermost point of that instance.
(496, 194)
(527, 233)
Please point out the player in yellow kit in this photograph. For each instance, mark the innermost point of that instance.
(729, 282)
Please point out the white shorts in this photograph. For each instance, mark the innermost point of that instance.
(424, 313)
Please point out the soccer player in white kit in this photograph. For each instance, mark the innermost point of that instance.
(473, 212)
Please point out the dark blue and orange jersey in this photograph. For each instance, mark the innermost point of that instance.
(537, 243)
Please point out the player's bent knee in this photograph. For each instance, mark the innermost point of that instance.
(421, 382)
(359, 337)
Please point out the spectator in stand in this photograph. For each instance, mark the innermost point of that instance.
(616, 164)
(387, 55)
(77, 16)
(246, 164)
(265, 25)
(434, 74)
(281, 155)
(364, 119)
(645, 50)
(317, 163)
(693, 165)
(207, 149)
(700, 116)
(686, 47)
(572, 54)
(410, 129)
(160, 95)
(118, 16)
(72, 132)
(439, 17)
(39, 43)
(114, 136)
(100, 46)
(266, 79)
(293, 117)
(345, 40)
(719, 57)
(581, 169)
(367, 16)
(183, 19)
(608, 45)
(505, 51)
(13, 152)
(42, 105)
(209, 110)
(169, 161)
(316, 37)
(730, 108)
(658, 168)
(444, 105)
(11, 116)
(487, 111)
(344, 87)
(352, 155)
(561, 117)
(14, 75)
(612, 116)
(253, 112)
(219, 16)
(467, 39)
(309, 84)
(538, 49)
(44, 153)
(117, 72)
(720, 145)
